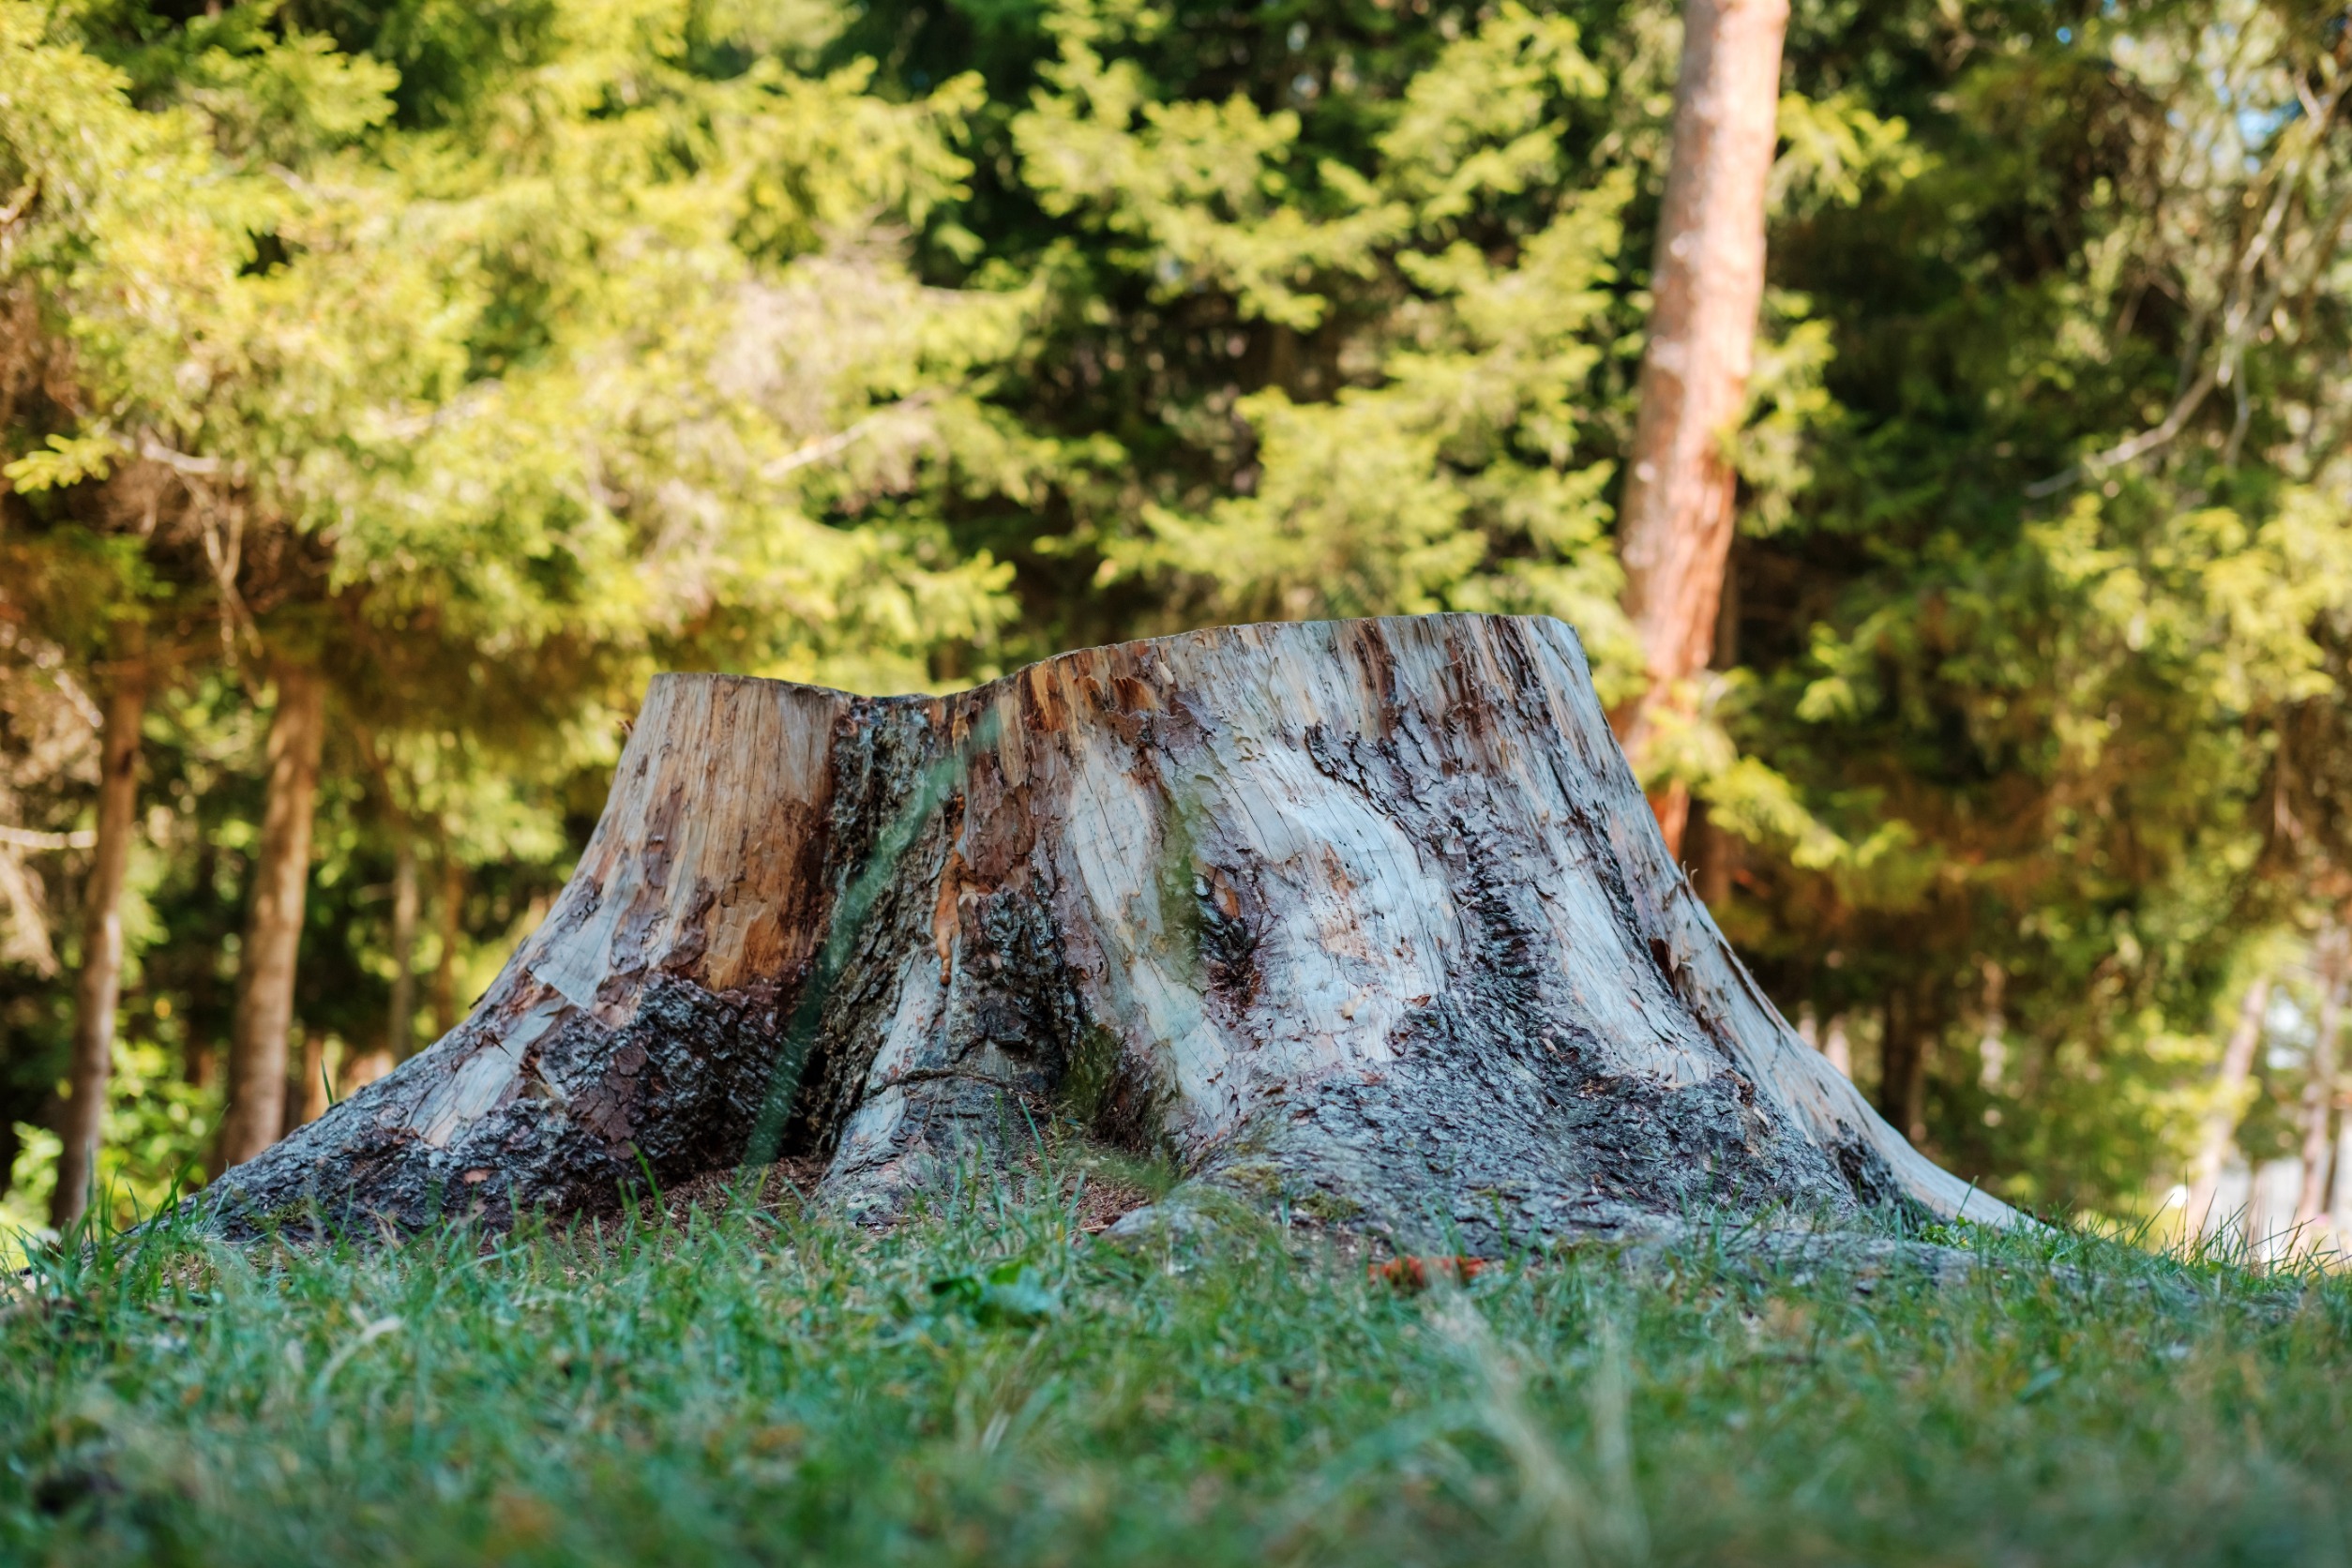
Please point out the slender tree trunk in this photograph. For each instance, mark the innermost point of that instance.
(2229, 1087)
(1368, 916)
(1991, 1041)
(1903, 1046)
(305, 1084)
(1713, 855)
(199, 1042)
(1675, 533)
(400, 1023)
(1837, 1047)
(97, 991)
(2319, 1091)
(452, 927)
(359, 1069)
(2339, 1211)
(273, 930)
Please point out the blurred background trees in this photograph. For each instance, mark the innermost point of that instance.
(455, 367)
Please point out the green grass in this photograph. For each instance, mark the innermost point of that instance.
(983, 1386)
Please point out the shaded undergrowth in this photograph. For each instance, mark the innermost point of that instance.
(987, 1385)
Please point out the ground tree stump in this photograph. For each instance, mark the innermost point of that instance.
(1366, 916)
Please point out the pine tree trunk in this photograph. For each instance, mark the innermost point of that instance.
(2319, 1089)
(273, 928)
(399, 1021)
(97, 991)
(1368, 918)
(1675, 531)
(1836, 1049)
(452, 927)
(2339, 1209)
(2229, 1087)
(306, 1082)
(1903, 1046)
(399, 1024)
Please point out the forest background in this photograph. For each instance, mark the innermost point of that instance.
(399, 386)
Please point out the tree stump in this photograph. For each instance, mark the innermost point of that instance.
(1369, 916)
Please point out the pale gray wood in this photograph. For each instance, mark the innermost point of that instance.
(1367, 918)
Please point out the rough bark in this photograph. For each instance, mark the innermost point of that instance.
(97, 990)
(273, 928)
(1366, 917)
(2229, 1094)
(2320, 1088)
(1675, 529)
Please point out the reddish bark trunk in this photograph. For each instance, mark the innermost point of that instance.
(1675, 533)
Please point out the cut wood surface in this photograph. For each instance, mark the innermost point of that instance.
(1367, 918)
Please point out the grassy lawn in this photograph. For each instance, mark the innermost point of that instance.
(988, 1386)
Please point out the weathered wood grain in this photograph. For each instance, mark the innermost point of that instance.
(1366, 917)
